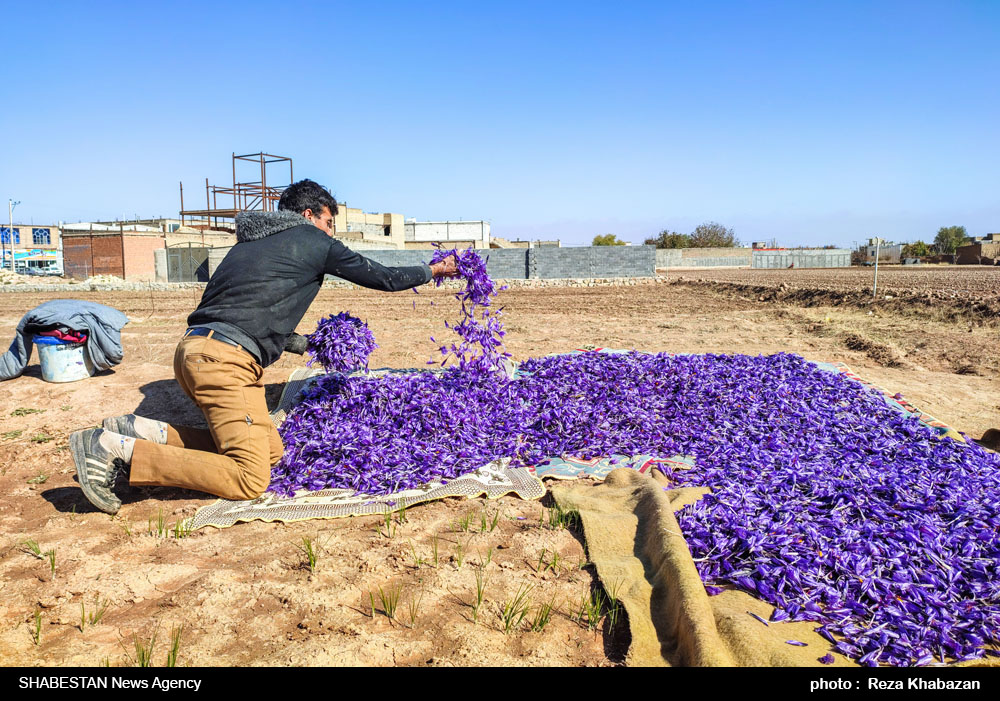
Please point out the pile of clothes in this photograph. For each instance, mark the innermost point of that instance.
(73, 321)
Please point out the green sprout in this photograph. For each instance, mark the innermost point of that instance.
(32, 548)
(390, 527)
(542, 616)
(614, 602)
(36, 632)
(554, 564)
(389, 597)
(480, 593)
(558, 518)
(143, 651)
(542, 565)
(159, 527)
(125, 526)
(516, 609)
(413, 607)
(311, 551)
(417, 561)
(591, 607)
(463, 524)
(175, 644)
(182, 529)
(94, 616)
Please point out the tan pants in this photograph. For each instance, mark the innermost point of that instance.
(233, 458)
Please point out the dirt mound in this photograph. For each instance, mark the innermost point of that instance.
(880, 353)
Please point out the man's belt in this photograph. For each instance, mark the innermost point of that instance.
(212, 333)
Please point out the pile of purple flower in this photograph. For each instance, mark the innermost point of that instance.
(341, 343)
(826, 502)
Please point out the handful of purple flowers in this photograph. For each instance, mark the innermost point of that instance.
(341, 343)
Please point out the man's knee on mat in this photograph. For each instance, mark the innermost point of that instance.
(253, 479)
(253, 486)
(276, 453)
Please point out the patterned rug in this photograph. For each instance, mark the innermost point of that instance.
(494, 480)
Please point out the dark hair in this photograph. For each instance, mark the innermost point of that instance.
(307, 194)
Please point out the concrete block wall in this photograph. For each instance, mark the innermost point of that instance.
(803, 258)
(592, 262)
(521, 264)
(500, 264)
(398, 258)
(703, 258)
(215, 256)
(507, 263)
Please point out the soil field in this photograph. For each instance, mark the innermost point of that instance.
(937, 291)
(246, 596)
(965, 281)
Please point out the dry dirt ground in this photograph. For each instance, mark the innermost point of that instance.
(245, 596)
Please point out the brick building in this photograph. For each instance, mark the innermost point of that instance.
(124, 254)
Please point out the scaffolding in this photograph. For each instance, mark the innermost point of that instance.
(243, 196)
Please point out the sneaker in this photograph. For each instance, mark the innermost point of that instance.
(96, 470)
(125, 425)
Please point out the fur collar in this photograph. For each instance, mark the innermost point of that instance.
(251, 226)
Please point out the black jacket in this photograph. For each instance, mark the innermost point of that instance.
(265, 284)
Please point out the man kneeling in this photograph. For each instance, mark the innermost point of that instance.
(250, 308)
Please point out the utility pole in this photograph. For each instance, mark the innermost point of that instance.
(10, 234)
(877, 242)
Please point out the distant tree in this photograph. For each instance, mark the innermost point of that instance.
(917, 249)
(607, 240)
(669, 239)
(713, 235)
(950, 238)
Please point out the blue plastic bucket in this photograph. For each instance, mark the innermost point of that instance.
(63, 361)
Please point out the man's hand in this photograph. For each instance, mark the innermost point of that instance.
(445, 268)
(297, 344)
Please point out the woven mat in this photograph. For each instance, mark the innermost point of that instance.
(494, 480)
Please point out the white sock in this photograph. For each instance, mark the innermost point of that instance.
(118, 445)
(150, 430)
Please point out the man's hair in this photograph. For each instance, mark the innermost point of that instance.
(307, 194)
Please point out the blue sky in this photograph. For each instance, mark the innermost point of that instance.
(812, 123)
